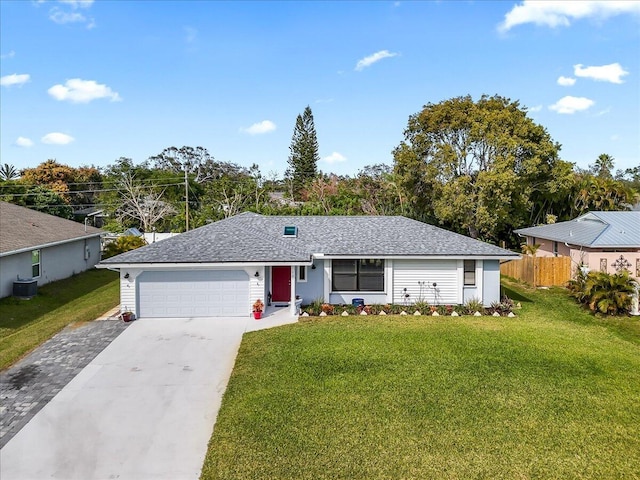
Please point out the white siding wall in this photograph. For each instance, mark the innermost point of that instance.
(410, 274)
(128, 290)
(256, 286)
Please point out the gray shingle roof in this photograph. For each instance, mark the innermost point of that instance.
(593, 229)
(23, 228)
(250, 237)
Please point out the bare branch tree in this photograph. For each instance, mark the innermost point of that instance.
(232, 201)
(142, 203)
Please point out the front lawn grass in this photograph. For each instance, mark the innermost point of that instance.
(25, 324)
(555, 304)
(552, 393)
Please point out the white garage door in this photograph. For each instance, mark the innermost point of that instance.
(197, 293)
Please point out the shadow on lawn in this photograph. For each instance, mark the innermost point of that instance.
(514, 295)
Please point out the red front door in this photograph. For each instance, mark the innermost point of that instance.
(280, 284)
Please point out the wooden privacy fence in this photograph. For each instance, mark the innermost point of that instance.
(539, 271)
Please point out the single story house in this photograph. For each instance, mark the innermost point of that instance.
(42, 247)
(604, 241)
(220, 269)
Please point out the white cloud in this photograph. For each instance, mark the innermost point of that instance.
(77, 3)
(536, 108)
(57, 138)
(606, 111)
(371, 59)
(69, 12)
(11, 54)
(259, 128)
(566, 81)
(605, 73)
(77, 90)
(570, 105)
(61, 17)
(335, 157)
(14, 79)
(24, 142)
(561, 13)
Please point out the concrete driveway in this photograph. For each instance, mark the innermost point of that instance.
(144, 408)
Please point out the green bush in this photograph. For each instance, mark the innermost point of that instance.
(123, 244)
(422, 306)
(473, 305)
(603, 292)
(503, 307)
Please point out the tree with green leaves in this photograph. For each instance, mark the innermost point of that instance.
(472, 166)
(77, 186)
(198, 163)
(36, 197)
(603, 166)
(631, 178)
(304, 156)
(600, 193)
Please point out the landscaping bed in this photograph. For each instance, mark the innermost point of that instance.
(473, 307)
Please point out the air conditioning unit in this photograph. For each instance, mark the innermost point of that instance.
(25, 288)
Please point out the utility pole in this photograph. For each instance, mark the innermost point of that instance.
(186, 198)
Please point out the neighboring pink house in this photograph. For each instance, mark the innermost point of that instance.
(604, 241)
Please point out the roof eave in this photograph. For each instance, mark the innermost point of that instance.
(204, 265)
(197, 266)
(50, 244)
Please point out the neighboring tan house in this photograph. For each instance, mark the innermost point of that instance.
(220, 269)
(604, 241)
(42, 247)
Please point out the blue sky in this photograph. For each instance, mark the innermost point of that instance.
(86, 82)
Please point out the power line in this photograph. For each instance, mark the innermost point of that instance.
(73, 192)
(97, 182)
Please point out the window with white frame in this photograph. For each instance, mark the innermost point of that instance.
(302, 273)
(35, 263)
(469, 272)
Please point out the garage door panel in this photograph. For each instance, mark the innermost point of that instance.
(200, 293)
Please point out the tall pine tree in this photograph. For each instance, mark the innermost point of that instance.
(304, 156)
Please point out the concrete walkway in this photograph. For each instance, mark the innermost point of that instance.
(144, 408)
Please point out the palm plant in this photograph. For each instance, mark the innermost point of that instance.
(608, 294)
(530, 249)
(8, 172)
